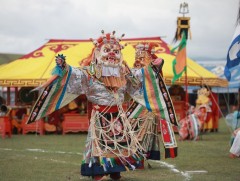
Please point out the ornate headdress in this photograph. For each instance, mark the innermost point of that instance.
(63, 63)
(104, 39)
(145, 52)
(105, 61)
(61, 56)
(108, 38)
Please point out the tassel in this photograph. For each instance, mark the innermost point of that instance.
(110, 161)
(133, 167)
(127, 169)
(149, 166)
(113, 161)
(138, 157)
(104, 168)
(90, 164)
(105, 162)
(101, 161)
(133, 156)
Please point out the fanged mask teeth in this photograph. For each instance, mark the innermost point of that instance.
(111, 59)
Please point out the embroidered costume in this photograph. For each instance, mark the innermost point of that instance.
(112, 144)
(148, 124)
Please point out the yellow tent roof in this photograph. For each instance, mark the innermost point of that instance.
(35, 67)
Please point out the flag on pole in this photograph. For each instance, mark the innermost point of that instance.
(233, 55)
(179, 63)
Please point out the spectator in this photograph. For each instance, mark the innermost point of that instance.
(235, 148)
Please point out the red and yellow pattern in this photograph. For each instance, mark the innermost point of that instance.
(35, 68)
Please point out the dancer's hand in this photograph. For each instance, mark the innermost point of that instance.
(157, 61)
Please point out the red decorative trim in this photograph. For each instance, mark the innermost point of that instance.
(35, 54)
(106, 109)
(59, 47)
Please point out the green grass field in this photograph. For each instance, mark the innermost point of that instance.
(56, 157)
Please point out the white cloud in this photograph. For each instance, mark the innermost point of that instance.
(25, 25)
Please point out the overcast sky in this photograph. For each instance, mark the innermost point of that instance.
(27, 24)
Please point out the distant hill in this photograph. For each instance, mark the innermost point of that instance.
(6, 57)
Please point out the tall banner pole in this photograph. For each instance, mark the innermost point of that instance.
(186, 90)
(184, 26)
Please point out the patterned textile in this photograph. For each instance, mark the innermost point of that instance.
(111, 144)
(195, 126)
(168, 138)
(156, 95)
(52, 98)
(146, 125)
(189, 127)
(115, 142)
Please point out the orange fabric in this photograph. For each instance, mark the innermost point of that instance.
(50, 127)
(17, 125)
(181, 61)
(208, 125)
(113, 82)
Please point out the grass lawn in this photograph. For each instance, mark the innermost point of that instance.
(56, 157)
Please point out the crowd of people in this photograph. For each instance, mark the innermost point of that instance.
(52, 122)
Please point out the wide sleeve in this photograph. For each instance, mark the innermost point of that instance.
(78, 81)
(57, 70)
(57, 95)
(153, 93)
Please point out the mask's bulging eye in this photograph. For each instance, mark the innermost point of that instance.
(106, 50)
(116, 51)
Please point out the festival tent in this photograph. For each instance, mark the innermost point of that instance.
(35, 68)
(217, 67)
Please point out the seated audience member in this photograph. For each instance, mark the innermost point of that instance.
(52, 122)
(3, 110)
(72, 107)
(16, 116)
